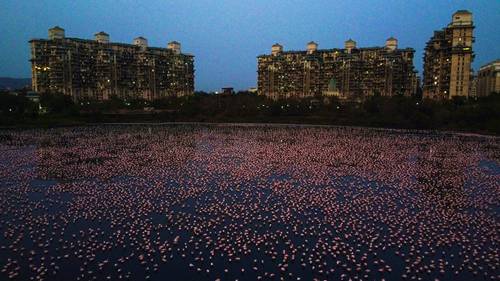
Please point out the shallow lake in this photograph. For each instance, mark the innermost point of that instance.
(151, 202)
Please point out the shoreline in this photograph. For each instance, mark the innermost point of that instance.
(259, 124)
(429, 131)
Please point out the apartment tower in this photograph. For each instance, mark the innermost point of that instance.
(448, 58)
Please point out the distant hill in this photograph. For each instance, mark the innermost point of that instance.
(7, 83)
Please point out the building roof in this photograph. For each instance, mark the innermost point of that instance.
(312, 43)
(462, 12)
(321, 51)
(32, 94)
(109, 44)
(140, 37)
(174, 42)
(490, 64)
(101, 33)
(57, 28)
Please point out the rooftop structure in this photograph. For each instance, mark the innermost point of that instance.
(227, 91)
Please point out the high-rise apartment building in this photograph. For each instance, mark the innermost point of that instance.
(98, 69)
(350, 73)
(488, 79)
(448, 58)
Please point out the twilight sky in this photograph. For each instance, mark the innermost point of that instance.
(227, 35)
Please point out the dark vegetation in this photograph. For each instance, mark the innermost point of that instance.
(472, 115)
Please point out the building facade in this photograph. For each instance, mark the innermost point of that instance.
(350, 74)
(97, 69)
(488, 79)
(448, 58)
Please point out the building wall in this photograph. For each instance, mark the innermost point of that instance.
(358, 74)
(461, 58)
(86, 69)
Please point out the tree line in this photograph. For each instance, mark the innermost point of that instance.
(473, 114)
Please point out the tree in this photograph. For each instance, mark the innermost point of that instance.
(58, 104)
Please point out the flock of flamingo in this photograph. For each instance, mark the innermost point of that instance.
(248, 203)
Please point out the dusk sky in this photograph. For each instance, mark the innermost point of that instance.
(226, 36)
